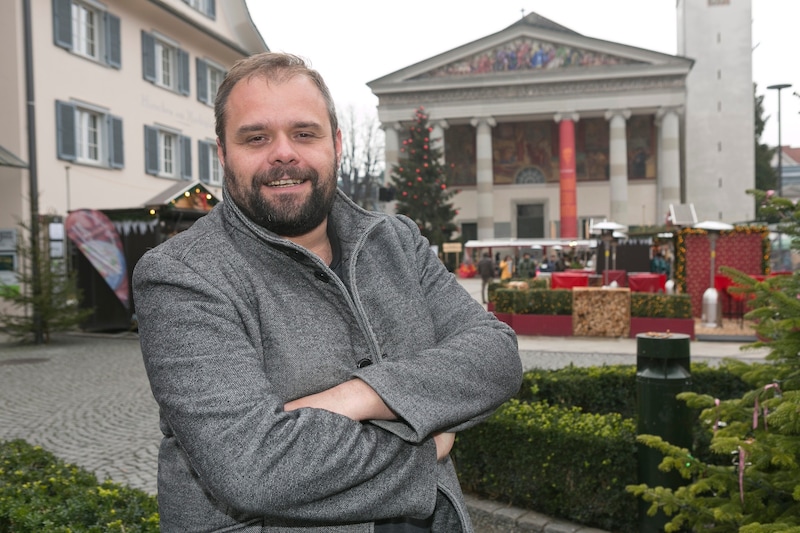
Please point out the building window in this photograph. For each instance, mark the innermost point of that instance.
(209, 165)
(88, 135)
(209, 78)
(167, 153)
(85, 28)
(164, 63)
(206, 7)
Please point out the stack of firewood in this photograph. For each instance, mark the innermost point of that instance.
(601, 312)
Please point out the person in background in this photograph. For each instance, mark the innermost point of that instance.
(506, 268)
(312, 361)
(486, 270)
(526, 268)
(658, 264)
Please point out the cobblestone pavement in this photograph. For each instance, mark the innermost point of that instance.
(87, 400)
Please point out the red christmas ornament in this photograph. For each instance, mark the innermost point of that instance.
(405, 193)
(444, 186)
(419, 178)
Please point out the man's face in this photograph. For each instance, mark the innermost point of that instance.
(280, 159)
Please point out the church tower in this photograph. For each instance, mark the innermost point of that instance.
(719, 152)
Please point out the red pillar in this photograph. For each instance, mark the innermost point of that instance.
(568, 194)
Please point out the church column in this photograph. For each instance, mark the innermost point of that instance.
(437, 138)
(392, 147)
(669, 158)
(618, 165)
(568, 187)
(485, 178)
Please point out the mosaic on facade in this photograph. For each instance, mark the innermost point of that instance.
(526, 54)
(525, 153)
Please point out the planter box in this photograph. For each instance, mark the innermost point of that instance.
(660, 325)
(550, 325)
(504, 317)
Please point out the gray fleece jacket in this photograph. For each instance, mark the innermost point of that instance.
(235, 321)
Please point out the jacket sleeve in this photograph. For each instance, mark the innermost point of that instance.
(457, 376)
(217, 401)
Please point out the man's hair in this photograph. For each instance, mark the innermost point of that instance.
(272, 67)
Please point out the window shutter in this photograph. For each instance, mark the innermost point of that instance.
(148, 57)
(116, 153)
(186, 157)
(183, 70)
(211, 5)
(62, 23)
(202, 80)
(113, 43)
(151, 150)
(203, 161)
(66, 147)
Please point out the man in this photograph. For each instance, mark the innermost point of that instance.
(527, 267)
(311, 360)
(486, 272)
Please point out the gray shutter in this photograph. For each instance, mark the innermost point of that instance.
(203, 161)
(148, 57)
(151, 150)
(62, 23)
(183, 71)
(212, 9)
(202, 80)
(186, 157)
(113, 43)
(115, 146)
(66, 146)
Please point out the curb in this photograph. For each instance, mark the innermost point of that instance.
(493, 517)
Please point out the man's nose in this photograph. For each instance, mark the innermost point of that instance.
(282, 150)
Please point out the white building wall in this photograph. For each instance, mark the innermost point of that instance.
(60, 75)
(719, 118)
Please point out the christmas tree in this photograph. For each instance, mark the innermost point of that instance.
(420, 184)
(755, 485)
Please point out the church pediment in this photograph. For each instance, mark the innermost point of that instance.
(530, 48)
(526, 54)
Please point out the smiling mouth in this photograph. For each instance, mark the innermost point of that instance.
(285, 183)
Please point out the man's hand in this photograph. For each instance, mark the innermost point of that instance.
(444, 443)
(354, 399)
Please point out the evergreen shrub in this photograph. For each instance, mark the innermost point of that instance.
(39, 492)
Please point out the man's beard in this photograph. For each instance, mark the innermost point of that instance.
(284, 216)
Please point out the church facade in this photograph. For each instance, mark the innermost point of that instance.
(545, 130)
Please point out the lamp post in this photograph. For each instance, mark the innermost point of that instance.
(779, 87)
(712, 312)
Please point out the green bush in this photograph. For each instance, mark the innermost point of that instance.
(39, 492)
(661, 305)
(612, 388)
(554, 460)
(534, 301)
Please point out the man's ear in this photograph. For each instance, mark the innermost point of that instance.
(221, 152)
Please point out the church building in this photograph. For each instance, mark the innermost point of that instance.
(545, 130)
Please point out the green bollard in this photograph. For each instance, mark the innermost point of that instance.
(662, 371)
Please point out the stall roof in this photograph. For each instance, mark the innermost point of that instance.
(531, 243)
(185, 195)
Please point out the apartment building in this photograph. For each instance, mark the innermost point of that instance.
(123, 94)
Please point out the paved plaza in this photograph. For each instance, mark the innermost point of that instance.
(86, 397)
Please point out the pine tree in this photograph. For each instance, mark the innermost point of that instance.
(755, 486)
(58, 299)
(420, 184)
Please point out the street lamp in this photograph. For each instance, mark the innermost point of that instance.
(779, 87)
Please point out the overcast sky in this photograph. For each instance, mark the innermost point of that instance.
(352, 42)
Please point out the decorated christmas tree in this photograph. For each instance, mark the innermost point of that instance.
(420, 183)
